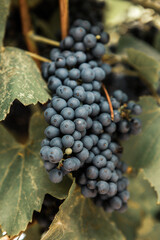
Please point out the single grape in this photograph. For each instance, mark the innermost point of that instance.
(56, 120)
(87, 142)
(98, 51)
(67, 141)
(102, 144)
(79, 46)
(74, 74)
(105, 174)
(81, 112)
(103, 187)
(56, 175)
(99, 161)
(90, 41)
(58, 104)
(67, 127)
(61, 73)
(105, 119)
(115, 203)
(73, 103)
(97, 127)
(111, 128)
(55, 154)
(51, 132)
(64, 92)
(87, 75)
(80, 124)
(78, 33)
(67, 113)
(71, 61)
(60, 62)
(56, 142)
(92, 172)
(77, 146)
(99, 74)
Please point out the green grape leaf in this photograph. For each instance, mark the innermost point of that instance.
(143, 151)
(142, 203)
(4, 10)
(23, 179)
(78, 218)
(144, 58)
(19, 79)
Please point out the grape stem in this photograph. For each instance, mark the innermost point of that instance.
(38, 57)
(26, 27)
(41, 39)
(109, 101)
(64, 15)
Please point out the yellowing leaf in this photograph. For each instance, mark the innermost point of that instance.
(19, 79)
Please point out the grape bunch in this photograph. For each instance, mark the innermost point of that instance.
(82, 137)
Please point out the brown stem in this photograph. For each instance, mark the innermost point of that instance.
(64, 15)
(38, 57)
(109, 101)
(27, 27)
(41, 39)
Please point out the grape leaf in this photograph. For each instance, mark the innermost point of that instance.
(19, 79)
(142, 203)
(144, 58)
(143, 151)
(149, 230)
(33, 232)
(4, 9)
(78, 218)
(23, 179)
